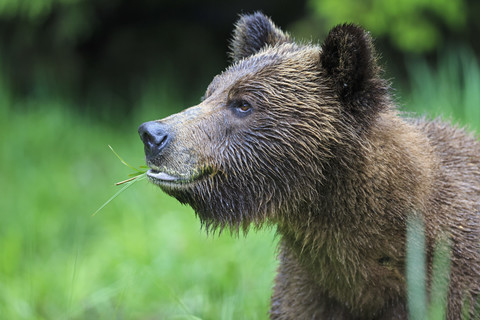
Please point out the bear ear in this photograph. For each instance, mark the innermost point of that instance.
(349, 61)
(252, 33)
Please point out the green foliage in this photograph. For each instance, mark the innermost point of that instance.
(419, 306)
(33, 9)
(143, 257)
(416, 270)
(450, 89)
(411, 25)
(440, 280)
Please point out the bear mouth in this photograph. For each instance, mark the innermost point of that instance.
(169, 178)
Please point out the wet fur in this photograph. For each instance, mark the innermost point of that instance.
(326, 157)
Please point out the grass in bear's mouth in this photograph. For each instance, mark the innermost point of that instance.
(139, 173)
(141, 170)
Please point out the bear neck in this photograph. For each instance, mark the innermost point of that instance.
(366, 195)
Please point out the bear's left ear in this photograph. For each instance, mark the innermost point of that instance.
(349, 61)
(252, 33)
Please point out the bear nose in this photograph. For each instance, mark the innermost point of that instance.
(154, 136)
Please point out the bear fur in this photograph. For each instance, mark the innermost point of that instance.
(307, 138)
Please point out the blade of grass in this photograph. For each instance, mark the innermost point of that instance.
(127, 185)
(124, 162)
(125, 181)
(416, 270)
(440, 280)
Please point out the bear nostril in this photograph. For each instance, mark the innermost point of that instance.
(146, 138)
(163, 141)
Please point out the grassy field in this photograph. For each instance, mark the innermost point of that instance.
(143, 256)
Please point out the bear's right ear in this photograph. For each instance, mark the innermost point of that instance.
(252, 33)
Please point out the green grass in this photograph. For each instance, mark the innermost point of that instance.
(421, 307)
(143, 256)
(449, 89)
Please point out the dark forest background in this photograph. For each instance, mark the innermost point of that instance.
(103, 54)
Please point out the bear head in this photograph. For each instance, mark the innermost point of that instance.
(270, 128)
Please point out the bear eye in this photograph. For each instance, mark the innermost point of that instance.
(241, 108)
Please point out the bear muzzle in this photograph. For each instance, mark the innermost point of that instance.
(172, 164)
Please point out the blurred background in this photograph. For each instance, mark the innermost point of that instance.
(77, 75)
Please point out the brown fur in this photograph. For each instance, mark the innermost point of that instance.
(320, 151)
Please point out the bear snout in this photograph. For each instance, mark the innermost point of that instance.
(155, 136)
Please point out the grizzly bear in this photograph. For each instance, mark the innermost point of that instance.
(308, 138)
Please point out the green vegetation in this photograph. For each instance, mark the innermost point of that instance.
(143, 256)
(418, 306)
(416, 270)
(450, 90)
(411, 25)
